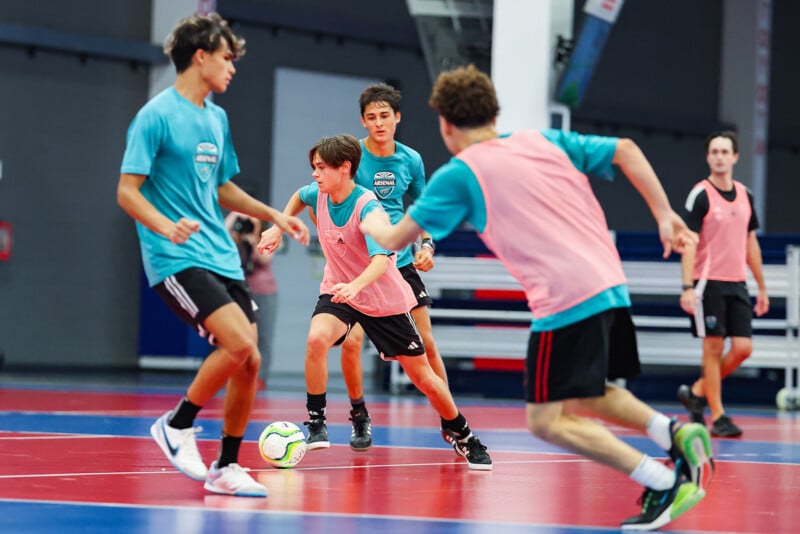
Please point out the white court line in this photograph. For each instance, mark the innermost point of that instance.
(170, 471)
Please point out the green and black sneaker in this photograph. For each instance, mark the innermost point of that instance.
(661, 507)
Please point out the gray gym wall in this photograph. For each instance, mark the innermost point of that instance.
(69, 295)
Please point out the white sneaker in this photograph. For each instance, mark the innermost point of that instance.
(233, 479)
(180, 447)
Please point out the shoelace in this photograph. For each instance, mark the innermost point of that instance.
(475, 445)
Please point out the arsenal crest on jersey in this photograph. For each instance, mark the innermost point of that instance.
(383, 183)
(205, 159)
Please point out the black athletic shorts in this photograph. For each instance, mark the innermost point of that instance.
(195, 293)
(411, 276)
(575, 362)
(393, 335)
(726, 310)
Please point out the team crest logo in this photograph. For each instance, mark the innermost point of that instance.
(711, 322)
(383, 183)
(205, 160)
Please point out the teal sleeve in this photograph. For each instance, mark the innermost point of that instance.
(308, 194)
(372, 247)
(591, 154)
(417, 184)
(452, 197)
(143, 140)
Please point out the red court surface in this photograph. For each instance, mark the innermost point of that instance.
(78, 460)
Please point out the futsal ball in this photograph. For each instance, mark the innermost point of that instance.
(282, 444)
(785, 400)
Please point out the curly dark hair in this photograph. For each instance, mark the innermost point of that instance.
(335, 150)
(200, 32)
(465, 97)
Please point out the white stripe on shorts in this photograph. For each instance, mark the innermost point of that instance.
(699, 317)
(179, 293)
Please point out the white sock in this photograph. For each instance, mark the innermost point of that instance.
(653, 474)
(658, 430)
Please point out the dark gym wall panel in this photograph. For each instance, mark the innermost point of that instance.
(69, 293)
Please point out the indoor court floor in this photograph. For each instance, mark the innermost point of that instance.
(78, 458)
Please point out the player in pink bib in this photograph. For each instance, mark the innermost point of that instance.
(528, 196)
(362, 285)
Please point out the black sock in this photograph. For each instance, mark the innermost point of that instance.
(457, 426)
(359, 406)
(315, 404)
(229, 453)
(183, 415)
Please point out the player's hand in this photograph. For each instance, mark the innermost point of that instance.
(294, 227)
(182, 230)
(675, 235)
(423, 259)
(344, 293)
(271, 239)
(762, 303)
(689, 301)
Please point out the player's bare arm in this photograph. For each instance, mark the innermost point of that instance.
(130, 199)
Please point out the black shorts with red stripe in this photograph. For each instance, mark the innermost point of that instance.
(574, 362)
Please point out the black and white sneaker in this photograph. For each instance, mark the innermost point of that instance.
(724, 427)
(475, 453)
(361, 436)
(694, 405)
(317, 434)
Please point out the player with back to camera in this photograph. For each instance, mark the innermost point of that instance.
(176, 173)
(391, 170)
(528, 197)
(361, 284)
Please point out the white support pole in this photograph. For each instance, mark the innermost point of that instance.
(522, 63)
(744, 90)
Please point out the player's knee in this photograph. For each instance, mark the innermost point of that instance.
(540, 426)
(741, 350)
(422, 377)
(714, 345)
(245, 351)
(317, 345)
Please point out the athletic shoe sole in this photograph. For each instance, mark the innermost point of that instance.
(694, 442)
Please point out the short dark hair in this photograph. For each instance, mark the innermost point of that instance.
(337, 149)
(380, 92)
(200, 32)
(465, 97)
(727, 134)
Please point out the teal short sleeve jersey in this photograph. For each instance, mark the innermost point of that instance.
(391, 178)
(186, 153)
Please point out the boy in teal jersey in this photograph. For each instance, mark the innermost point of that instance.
(392, 171)
(175, 175)
(528, 197)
